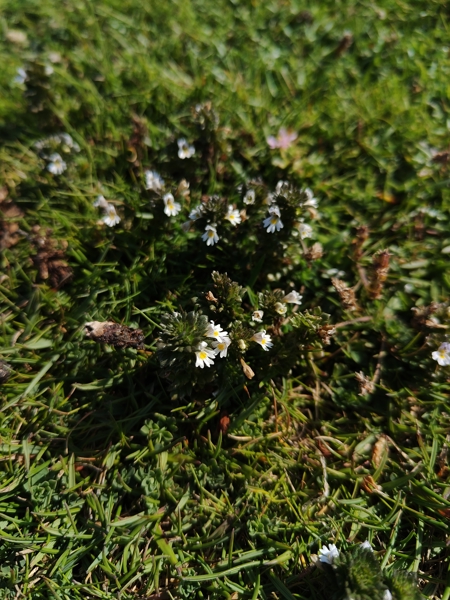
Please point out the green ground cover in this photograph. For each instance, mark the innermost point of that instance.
(126, 470)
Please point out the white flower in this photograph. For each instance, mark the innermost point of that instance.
(442, 354)
(293, 298)
(171, 208)
(153, 181)
(263, 339)
(210, 236)
(205, 356)
(184, 150)
(280, 308)
(249, 197)
(328, 554)
(305, 230)
(366, 546)
(233, 216)
(221, 346)
(101, 202)
(111, 217)
(310, 199)
(216, 331)
(196, 213)
(258, 315)
(273, 223)
(21, 76)
(274, 210)
(387, 595)
(56, 164)
(282, 186)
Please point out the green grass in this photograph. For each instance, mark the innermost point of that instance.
(109, 486)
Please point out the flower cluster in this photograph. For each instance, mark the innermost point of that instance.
(110, 217)
(52, 148)
(155, 183)
(212, 210)
(204, 355)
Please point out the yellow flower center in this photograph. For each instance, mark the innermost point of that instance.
(203, 355)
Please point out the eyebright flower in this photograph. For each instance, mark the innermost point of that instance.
(210, 236)
(171, 208)
(205, 356)
(283, 140)
(21, 76)
(310, 199)
(273, 222)
(111, 217)
(328, 554)
(153, 181)
(101, 202)
(184, 150)
(249, 197)
(442, 354)
(305, 230)
(258, 315)
(293, 298)
(280, 308)
(216, 331)
(263, 339)
(221, 347)
(196, 213)
(233, 216)
(56, 164)
(366, 546)
(387, 595)
(282, 186)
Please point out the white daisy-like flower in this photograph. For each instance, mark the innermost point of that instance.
(310, 199)
(171, 208)
(233, 216)
(442, 354)
(101, 202)
(263, 339)
(328, 554)
(21, 76)
(249, 197)
(111, 217)
(258, 316)
(205, 356)
(184, 149)
(387, 595)
(280, 308)
(196, 213)
(293, 298)
(210, 236)
(153, 181)
(273, 222)
(56, 165)
(305, 230)
(366, 545)
(221, 346)
(216, 331)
